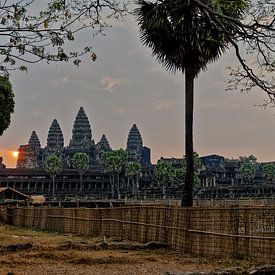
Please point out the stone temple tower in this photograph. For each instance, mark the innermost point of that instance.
(82, 134)
(55, 140)
(134, 144)
(102, 146)
(30, 154)
(81, 140)
(34, 141)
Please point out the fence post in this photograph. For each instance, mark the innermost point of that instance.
(187, 245)
(9, 215)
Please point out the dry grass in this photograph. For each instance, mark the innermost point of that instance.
(50, 254)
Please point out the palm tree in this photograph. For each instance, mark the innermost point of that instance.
(185, 37)
(80, 162)
(114, 162)
(163, 173)
(53, 166)
(247, 169)
(132, 171)
(269, 171)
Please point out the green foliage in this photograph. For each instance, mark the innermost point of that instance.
(80, 162)
(178, 175)
(53, 165)
(6, 103)
(32, 31)
(163, 171)
(269, 171)
(247, 168)
(114, 161)
(132, 169)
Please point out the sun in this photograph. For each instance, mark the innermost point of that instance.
(15, 154)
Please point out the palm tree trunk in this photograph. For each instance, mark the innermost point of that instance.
(133, 186)
(81, 187)
(113, 186)
(53, 185)
(118, 186)
(137, 181)
(187, 197)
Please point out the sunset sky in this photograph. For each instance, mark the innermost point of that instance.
(125, 86)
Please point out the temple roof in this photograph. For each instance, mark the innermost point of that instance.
(81, 134)
(55, 136)
(34, 140)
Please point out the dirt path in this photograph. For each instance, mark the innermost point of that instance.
(24, 251)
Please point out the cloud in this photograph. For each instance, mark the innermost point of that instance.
(160, 105)
(120, 110)
(110, 83)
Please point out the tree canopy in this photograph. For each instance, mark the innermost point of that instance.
(53, 165)
(183, 34)
(247, 168)
(6, 103)
(132, 169)
(80, 162)
(269, 171)
(33, 30)
(114, 161)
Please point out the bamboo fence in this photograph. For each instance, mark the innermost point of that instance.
(240, 233)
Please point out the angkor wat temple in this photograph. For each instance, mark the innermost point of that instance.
(219, 177)
(32, 155)
(30, 176)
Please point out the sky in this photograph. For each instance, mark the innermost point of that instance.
(125, 85)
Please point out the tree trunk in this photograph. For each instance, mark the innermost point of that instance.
(81, 187)
(133, 186)
(53, 185)
(113, 186)
(187, 196)
(137, 181)
(118, 186)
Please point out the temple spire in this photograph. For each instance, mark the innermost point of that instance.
(34, 141)
(134, 144)
(81, 134)
(55, 138)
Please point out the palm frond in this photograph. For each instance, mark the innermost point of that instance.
(182, 34)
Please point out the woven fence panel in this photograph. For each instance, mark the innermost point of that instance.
(221, 232)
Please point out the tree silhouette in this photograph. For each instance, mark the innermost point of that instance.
(247, 168)
(114, 162)
(53, 166)
(32, 31)
(269, 171)
(6, 103)
(133, 171)
(80, 162)
(163, 173)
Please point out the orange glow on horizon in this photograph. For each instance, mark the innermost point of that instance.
(8, 158)
(15, 154)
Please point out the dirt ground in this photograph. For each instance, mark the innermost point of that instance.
(24, 251)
